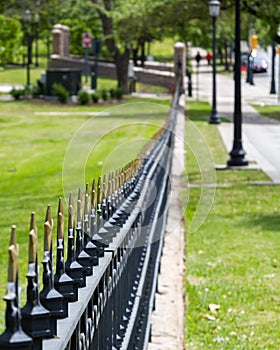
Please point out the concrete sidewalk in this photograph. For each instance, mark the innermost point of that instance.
(260, 135)
(168, 317)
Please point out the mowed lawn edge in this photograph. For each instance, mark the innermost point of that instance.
(233, 259)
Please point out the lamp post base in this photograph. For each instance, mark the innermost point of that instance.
(214, 118)
(237, 158)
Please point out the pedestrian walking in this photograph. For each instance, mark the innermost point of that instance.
(198, 58)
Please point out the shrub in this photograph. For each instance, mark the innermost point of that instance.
(60, 92)
(36, 91)
(17, 93)
(112, 93)
(28, 91)
(119, 92)
(83, 97)
(95, 97)
(104, 94)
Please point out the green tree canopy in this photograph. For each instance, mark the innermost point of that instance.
(10, 39)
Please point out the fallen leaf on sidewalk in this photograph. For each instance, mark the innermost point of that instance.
(214, 307)
(209, 317)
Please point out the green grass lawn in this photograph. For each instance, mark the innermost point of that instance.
(269, 111)
(232, 279)
(46, 154)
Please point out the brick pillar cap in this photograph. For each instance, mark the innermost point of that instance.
(179, 45)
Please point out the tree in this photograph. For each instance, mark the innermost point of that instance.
(10, 39)
(119, 53)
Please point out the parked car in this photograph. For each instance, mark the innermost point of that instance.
(260, 65)
(244, 59)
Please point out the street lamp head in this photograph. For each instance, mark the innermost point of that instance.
(214, 8)
(27, 16)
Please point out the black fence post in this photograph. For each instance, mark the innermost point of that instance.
(82, 256)
(35, 318)
(72, 267)
(62, 282)
(50, 298)
(13, 337)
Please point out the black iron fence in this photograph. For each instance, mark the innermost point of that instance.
(100, 294)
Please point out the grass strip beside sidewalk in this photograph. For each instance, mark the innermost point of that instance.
(233, 260)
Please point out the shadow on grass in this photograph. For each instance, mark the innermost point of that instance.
(266, 222)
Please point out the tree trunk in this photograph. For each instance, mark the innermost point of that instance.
(135, 55)
(220, 54)
(121, 62)
(226, 58)
(143, 56)
(120, 59)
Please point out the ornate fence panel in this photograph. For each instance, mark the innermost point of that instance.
(100, 295)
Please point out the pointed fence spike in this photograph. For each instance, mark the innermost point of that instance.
(71, 212)
(48, 226)
(79, 208)
(99, 191)
(32, 250)
(93, 194)
(113, 182)
(87, 201)
(13, 257)
(109, 186)
(13, 235)
(60, 220)
(104, 191)
(71, 200)
(80, 194)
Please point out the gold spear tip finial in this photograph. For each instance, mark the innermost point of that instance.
(86, 209)
(71, 212)
(32, 251)
(13, 257)
(48, 226)
(104, 190)
(93, 194)
(71, 200)
(99, 191)
(80, 194)
(32, 221)
(48, 214)
(109, 185)
(13, 235)
(79, 206)
(60, 220)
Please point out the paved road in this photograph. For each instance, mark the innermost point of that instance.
(261, 136)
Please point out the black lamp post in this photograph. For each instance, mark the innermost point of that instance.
(214, 9)
(273, 52)
(237, 154)
(27, 19)
(36, 20)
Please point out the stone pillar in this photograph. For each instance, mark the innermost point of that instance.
(61, 40)
(57, 38)
(66, 41)
(180, 61)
